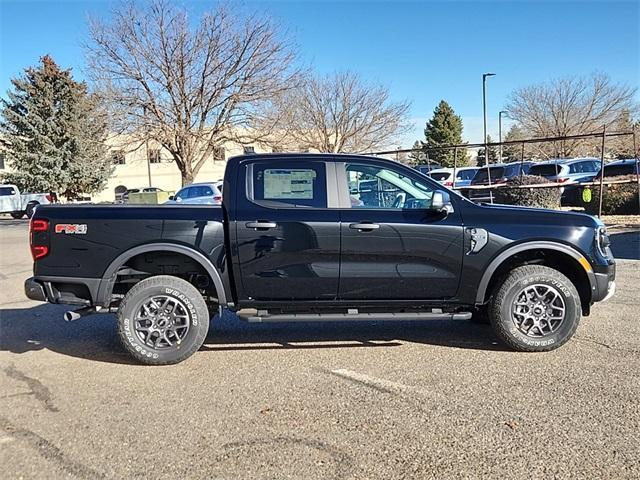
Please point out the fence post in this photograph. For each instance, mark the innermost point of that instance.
(522, 161)
(604, 133)
(637, 157)
(455, 166)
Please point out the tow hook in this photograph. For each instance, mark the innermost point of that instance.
(73, 315)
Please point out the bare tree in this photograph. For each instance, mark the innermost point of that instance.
(336, 113)
(569, 106)
(187, 87)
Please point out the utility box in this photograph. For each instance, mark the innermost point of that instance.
(149, 198)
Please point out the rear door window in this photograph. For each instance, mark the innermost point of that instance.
(548, 170)
(5, 191)
(288, 184)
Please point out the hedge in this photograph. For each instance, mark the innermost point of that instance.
(617, 199)
(528, 197)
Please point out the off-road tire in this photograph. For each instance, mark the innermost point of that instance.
(17, 215)
(501, 303)
(167, 286)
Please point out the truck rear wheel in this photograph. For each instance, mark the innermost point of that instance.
(162, 320)
(17, 215)
(535, 309)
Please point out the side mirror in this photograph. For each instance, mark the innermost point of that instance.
(441, 202)
(172, 197)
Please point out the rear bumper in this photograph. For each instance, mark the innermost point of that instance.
(64, 290)
(34, 290)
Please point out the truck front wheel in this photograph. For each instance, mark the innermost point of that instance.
(535, 309)
(162, 320)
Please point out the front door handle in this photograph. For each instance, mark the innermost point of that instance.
(364, 226)
(261, 225)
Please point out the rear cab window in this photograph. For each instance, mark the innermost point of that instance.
(281, 184)
(5, 191)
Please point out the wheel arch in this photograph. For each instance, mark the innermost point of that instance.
(109, 276)
(572, 265)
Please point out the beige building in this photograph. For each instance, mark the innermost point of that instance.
(145, 165)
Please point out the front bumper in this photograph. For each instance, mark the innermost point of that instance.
(605, 284)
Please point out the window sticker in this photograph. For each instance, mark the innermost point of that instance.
(282, 184)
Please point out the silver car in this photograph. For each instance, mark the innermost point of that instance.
(574, 170)
(208, 193)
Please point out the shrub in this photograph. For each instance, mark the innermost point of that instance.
(528, 197)
(617, 199)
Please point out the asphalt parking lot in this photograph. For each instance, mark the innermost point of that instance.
(380, 400)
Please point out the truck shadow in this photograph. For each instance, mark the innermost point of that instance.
(95, 338)
(625, 245)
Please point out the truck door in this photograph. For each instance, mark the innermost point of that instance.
(287, 239)
(394, 245)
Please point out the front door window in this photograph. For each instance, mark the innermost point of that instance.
(371, 186)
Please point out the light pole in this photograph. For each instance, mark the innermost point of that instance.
(484, 140)
(500, 113)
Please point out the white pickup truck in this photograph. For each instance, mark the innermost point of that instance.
(18, 205)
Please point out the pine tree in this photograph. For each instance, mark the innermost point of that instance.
(417, 156)
(55, 133)
(444, 128)
(493, 153)
(513, 152)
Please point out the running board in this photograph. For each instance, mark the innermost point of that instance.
(252, 315)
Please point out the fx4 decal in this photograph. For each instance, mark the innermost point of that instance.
(72, 228)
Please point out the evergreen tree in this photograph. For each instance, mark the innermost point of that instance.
(493, 153)
(513, 152)
(55, 133)
(444, 128)
(417, 156)
(622, 147)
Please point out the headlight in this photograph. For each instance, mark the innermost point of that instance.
(602, 241)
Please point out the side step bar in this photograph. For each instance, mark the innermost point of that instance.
(263, 316)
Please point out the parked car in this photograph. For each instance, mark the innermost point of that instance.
(617, 168)
(499, 174)
(20, 204)
(291, 245)
(426, 168)
(197, 193)
(464, 175)
(568, 172)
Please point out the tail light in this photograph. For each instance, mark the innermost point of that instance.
(448, 184)
(38, 238)
(562, 180)
(49, 197)
(217, 198)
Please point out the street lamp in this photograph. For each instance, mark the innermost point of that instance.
(500, 113)
(484, 115)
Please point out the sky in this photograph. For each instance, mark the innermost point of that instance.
(423, 51)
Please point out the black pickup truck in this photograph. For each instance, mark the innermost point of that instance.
(320, 237)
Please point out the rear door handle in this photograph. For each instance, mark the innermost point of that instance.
(364, 226)
(261, 225)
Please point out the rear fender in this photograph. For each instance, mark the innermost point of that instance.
(109, 277)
